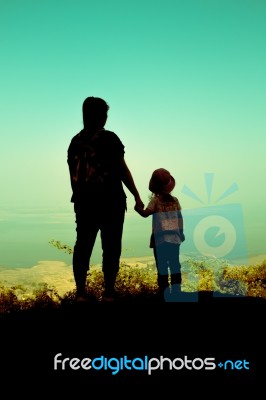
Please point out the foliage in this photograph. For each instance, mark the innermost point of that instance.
(42, 297)
(8, 300)
(253, 277)
(45, 297)
(131, 281)
(141, 283)
(60, 246)
(215, 275)
(137, 281)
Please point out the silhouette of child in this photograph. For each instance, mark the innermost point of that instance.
(167, 231)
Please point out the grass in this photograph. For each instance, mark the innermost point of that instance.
(140, 284)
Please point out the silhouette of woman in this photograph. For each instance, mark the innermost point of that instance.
(98, 171)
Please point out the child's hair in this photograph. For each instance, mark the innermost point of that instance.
(164, 196)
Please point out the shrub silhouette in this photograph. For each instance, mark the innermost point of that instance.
(140, 283)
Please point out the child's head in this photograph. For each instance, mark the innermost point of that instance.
(161, 182)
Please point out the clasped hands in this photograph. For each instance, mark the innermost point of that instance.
(139, 205)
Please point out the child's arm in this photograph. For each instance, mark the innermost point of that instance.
(181, 225)
(144, 213)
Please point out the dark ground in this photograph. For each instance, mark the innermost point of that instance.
(228, 328)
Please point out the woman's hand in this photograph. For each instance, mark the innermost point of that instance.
(139, 204)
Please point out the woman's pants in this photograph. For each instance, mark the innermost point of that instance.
(109, 220)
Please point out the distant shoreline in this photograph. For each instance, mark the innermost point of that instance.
(252, 260)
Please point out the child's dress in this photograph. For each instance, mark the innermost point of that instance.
(166, 220)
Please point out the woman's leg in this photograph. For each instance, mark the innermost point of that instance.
(111, 236)
(87, 229)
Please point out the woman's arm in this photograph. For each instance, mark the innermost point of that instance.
(128, 180)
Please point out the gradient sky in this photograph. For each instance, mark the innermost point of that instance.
(185, 81)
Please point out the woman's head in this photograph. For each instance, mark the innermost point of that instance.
(94, 111)
(161, 182)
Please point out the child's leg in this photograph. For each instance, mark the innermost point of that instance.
(160, 255)
(174, 265)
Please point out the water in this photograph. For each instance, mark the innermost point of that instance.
(25, 235)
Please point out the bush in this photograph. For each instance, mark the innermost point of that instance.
(141, 283)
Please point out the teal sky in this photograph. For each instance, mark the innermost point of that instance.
(185, 81)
